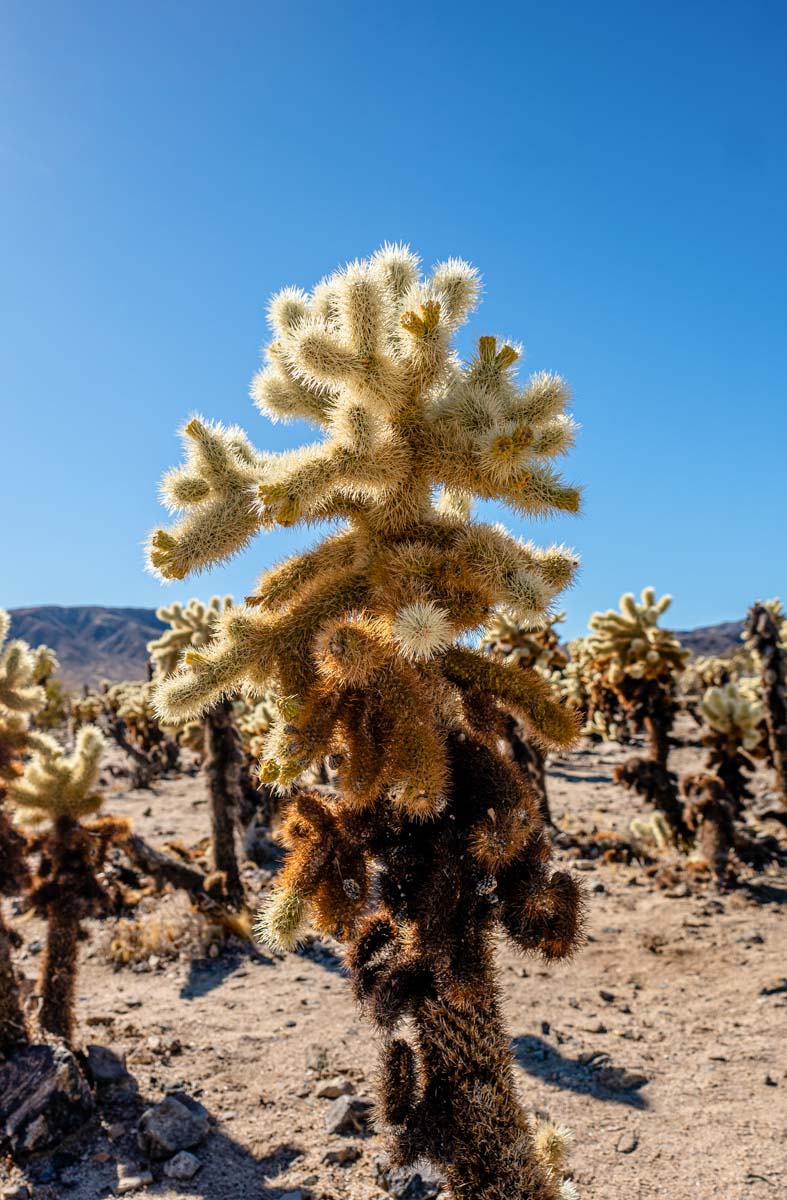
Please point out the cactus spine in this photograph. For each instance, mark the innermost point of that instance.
(433, 838)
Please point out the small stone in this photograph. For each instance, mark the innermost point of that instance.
(717, 1054)
(584, 864)
(177, 1123)
(774, 987)
(105, 1066)
(182, 1166)
(331, 1089)
(617, 1079)
(627, 1143)
(679, 892)
(16, 1192)
(751, 938)
(343, 1156)
(607, 997)
(598, 888)
(769, 1081)
(346, 1114)
(131, 1178)
(593, 1027)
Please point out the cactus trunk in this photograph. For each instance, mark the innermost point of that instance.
(531, 761)
(223, 759)
(12, 1021)
(763, 635)
(58, 984)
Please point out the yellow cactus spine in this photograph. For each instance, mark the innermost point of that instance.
(360, 637)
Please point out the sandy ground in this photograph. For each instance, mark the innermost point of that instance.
(689, 991)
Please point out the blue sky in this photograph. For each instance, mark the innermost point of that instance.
(616, 171)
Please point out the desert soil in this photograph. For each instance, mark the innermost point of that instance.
(684, 987)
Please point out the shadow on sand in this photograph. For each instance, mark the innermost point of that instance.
(598, 1078)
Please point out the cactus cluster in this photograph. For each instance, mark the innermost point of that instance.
(733, 732)
(434, 839)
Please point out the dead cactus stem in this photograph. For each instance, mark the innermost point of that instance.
(223, 764)
(763, 636)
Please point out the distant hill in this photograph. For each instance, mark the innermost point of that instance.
(718, 640)
(92, 643)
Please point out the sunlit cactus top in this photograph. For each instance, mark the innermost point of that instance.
(732, 712)
(56, 784)
(631, 643)
(411, 435)
(192, 624)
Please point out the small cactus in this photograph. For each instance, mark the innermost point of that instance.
(59, 789)
(733, 731)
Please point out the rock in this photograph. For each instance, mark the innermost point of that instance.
(774, 987)
(182, 1166)
(333, 1088)
(105, 1066)
(343, 1156)
(769, 1081)
(752, 937)
(607, 997)
(583, 864)
(44, 1098)
(346, 1114)
(116, 1131)
(177, 1123)
(405, 1184)
(617, 1079)
(131, 1178)
(627, 1143)
(679, 892)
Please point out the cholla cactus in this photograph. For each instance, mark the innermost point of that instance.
(59, 788)
(359, 637)
(641, 662)
(734, 731)
(764, 629)
(509, 641)
(21, 698)
(132, 721)
(585, 687)
(192, 627)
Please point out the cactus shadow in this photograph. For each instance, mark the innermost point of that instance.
(543, 1061)
(766, 893)
(207, 974)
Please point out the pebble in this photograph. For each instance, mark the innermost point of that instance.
(131, 1178)
(627, 1143)
(346, 1114)
(333, 1088)
(343, 1156)
(182, 1166)
(770, 1082)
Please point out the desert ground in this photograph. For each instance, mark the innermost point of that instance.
(661, 1045)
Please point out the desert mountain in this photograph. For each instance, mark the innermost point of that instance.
(95, 643)
(92, 643)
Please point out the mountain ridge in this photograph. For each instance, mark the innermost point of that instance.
(95, 642)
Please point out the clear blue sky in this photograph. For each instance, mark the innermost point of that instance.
(617, 172)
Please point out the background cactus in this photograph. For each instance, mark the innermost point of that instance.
(539, 649)
(192, 627)
(21, 697)
(639, 662)
(359, 636)
(59, 789)
(763, 632)
(733, 731)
